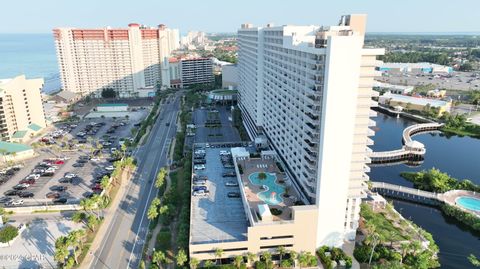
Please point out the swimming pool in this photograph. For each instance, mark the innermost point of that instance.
(470, 203)
(273, 192)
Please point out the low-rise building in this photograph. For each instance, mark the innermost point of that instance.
(396, 89)
(414, 68)
(14, 151)
(21, 107)
(414, 102)
(112, 107)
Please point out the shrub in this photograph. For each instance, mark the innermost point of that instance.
(260, 265)
(276, 211)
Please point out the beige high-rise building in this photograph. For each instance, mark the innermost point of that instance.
(21, 107)
(125, 60)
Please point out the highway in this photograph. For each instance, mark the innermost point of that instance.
(122, 245)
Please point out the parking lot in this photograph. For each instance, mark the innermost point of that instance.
(216, 217)
(214, 125)
(35, 247)
(70, 162)
(462, 81)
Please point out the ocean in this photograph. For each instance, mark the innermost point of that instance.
(32, 55)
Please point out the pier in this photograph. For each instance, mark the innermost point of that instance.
(412, 150)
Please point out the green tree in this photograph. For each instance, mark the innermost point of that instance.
(238, 261)
(105, 182)
(181, 257)
(474, 260)
(61, 251)
(251, 257)
(152, 212)
(209, 264)
(92, 222)
(78, 217)
(73, 241)
(281, 251)
(159, 257)
(218, 254)
(109, 93)
(7, 233)
(194, 263)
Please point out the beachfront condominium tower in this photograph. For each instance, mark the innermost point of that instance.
(124, 60)
(308, 89)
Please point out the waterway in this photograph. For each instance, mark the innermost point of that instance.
(457, 156)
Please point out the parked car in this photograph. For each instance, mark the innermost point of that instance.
(27, 181)
(78, 165)
(88, 194)
(70, 175)
(233, 195)
(200, 193)
(16, 202)
(53, 195)
(110, 168)
(229, 174)
(25, 194)
(60, 200)
(11, 193)
(20, 187)
(199, 182)
(199, 188)
(58, 188)
(82, 161)
(5, 200)
(65, 180)
(199, 167)
(231, 184)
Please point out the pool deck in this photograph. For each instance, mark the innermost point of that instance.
(254, 165)
(450, 198)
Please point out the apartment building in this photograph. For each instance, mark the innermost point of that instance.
(196, 71)
(21, 108)
(308, 89)
(125, 60)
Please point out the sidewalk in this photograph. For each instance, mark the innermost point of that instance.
(109, 214)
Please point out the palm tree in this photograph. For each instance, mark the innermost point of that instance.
(194, 263)
(218, 254)
(238, 261)
(158, 257)
(293, 256)
(405, 248)
(302, 259)
(73, 241)
(61, 251)
(152, 212)
(251, 257)
(181, 257)
(416, 246)
(92, 221)
(208, 264)
(281, 251)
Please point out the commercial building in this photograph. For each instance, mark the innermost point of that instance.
(196, 71)
(229, 76)
(397, 89)
(308, 89)
(414, 103)
(91, 60)
(21, 108)
(14, 151)
(414, 68)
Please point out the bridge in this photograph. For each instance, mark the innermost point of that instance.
(411, 149)
(416, 195)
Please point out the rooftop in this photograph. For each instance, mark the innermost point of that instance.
(19, 134)
(216, 217)
(111, 105)
(415, 100)
(34, 127)
(8, 147)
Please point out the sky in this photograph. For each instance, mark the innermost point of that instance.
(40, 16)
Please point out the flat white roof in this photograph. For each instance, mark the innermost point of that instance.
(414, 100)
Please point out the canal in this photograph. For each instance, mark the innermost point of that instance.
(457, 156)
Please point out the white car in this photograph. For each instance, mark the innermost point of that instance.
(231, 184)
(224, 153)
(200, 193)
(110, 168)
(33, 176)
(70, 175)
(16, 202)
(95, 159)
(199, 167)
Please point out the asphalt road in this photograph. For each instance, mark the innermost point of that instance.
(122, 245)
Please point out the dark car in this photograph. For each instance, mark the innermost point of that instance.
(199, 188)
(5, 200)
(65, 180)
(26, 194)
(229, 174)
(58, 188)
(84, 157)
(233, 195)
(199, 161)
(82, 161)
(60, 201)
(79, 164)
(47, 174)
(19, 187)
(53, 195)
(11, 193)
(88, 194)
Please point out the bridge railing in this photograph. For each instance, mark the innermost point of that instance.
(398, 188)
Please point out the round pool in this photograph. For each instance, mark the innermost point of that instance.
(469, 203)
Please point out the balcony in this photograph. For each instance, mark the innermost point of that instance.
(310, 161)
(310, 153)
(313, 135)
(310, 143)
